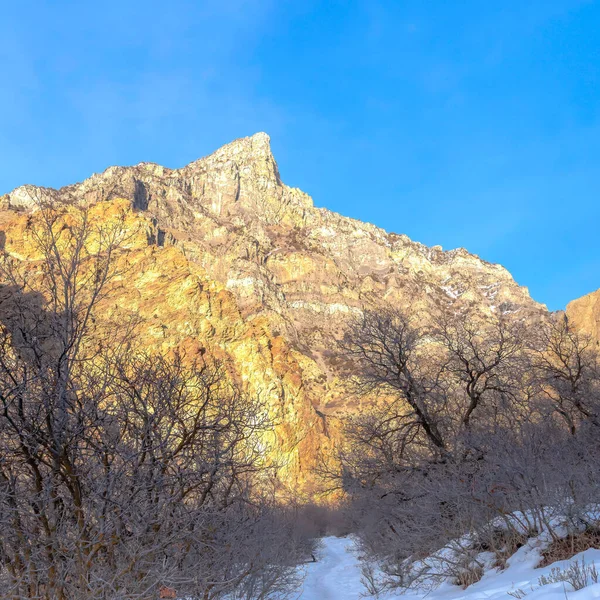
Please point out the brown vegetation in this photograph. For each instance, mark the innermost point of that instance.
(485, 428)
(573, 543)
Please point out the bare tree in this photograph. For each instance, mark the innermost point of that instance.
(461, 450)
(392, 357)
(566, 363)
(483, 364)
(122, 470)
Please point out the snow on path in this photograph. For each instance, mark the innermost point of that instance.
(336, 576)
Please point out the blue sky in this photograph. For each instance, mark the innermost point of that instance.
(467, 123)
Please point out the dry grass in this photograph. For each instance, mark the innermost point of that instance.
(565, 548)
(468, 576)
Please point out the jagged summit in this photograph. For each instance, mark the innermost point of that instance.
(255, 146)
(241, 165)
(252, 151)
(309, 259)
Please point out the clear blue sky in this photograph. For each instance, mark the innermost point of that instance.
(470, 123)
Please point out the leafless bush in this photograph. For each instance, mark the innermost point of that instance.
(477, 427)
(578, 574)
(468, 575)
(123, 471)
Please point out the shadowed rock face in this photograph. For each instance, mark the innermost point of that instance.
(290, 273)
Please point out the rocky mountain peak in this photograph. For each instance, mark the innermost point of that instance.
(265, 277)
(251, 155)
(275, 250)
(240, 178)
(246, 149)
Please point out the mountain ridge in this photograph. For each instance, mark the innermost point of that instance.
(290, 275)
(22, 196)
(246, 158)
(277, 252)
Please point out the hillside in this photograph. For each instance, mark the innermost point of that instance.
(229, 257)
(337, 576)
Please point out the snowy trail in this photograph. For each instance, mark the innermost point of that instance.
(336, 576)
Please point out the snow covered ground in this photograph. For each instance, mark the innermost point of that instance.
(336, 576)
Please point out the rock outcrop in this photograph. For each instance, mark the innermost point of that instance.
(585, 314)
(233, 257)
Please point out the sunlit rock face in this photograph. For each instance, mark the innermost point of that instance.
(232, 257)
(585, 314)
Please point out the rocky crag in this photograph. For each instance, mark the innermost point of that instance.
(585, 314)
(229, 256)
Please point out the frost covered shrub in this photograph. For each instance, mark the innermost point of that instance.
(478, 425)
(578, 575)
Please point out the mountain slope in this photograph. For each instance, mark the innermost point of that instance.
(291, 273)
